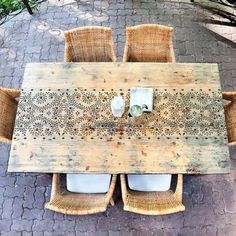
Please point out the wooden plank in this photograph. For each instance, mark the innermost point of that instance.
(46, 140)
(122, 75)
(163, 156)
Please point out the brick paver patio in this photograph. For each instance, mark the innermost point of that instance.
(210, 200)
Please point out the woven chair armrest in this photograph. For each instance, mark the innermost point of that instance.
(13, 93)
(113, 53)
(124, 189)
(171, 55)
(111, 188)
(171, 52)
(113, 56)
(126, 53)
(67, 55)
(231, 96)
(179, 187)
(56, 189)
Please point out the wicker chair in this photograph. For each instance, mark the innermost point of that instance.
(89, 44)
(79, 203)
(149, 43)
(8, 108)
(153, 203)
(230, 116)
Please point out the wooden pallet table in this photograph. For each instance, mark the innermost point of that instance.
(64, 122)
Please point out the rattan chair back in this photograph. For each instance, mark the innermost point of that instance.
(89, 44)
(230, 116)
(8, 108)
(79, 203)
(153, 203)
(149, 43)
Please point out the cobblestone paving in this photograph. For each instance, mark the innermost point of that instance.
(210, 200)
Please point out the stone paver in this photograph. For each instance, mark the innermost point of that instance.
(209, 199)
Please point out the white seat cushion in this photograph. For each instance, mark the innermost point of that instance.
(149, 182)
(88, 183)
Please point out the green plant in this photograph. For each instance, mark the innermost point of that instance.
(8, 6)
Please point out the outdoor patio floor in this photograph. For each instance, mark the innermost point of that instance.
(210, 200)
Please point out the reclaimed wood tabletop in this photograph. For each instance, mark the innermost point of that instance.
(64, 122)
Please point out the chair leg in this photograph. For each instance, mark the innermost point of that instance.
(112, 202)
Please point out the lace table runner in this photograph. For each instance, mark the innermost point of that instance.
(86, 114)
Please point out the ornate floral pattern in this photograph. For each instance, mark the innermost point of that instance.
(86, 113)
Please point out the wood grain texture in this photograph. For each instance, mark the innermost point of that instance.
(195, 154)
(122, 75)
(163, 156)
